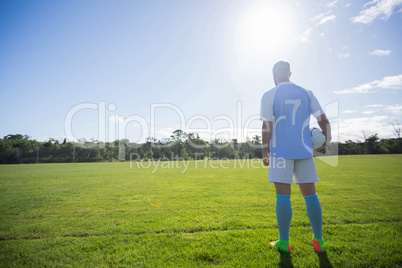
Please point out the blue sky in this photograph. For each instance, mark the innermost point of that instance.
(206, 61)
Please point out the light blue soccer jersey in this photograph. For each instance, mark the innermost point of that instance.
(289, 107)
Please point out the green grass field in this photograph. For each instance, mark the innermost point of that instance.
(108, 215)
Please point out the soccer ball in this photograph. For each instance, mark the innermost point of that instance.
(317, 137)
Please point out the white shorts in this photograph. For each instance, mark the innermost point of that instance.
(284, 170)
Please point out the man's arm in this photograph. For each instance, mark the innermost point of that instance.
(266, 138)
(325, 127)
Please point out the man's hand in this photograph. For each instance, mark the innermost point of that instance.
(323, 122)
(321, 149)
(266, 138)
(265, 160)
(327, 141)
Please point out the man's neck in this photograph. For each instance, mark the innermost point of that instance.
(282, 81)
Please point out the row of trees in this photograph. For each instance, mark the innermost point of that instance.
(181, 145)
(372, 145)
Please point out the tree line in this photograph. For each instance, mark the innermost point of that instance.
(180, 146)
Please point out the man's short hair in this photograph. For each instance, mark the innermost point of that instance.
(281, 68)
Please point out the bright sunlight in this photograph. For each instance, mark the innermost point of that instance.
(264, 28)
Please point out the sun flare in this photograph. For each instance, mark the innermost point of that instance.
(264, 28)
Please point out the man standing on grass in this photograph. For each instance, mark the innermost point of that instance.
(285, 112)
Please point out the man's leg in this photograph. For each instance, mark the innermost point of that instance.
(314, 213)
(282, 188)
(283, 215)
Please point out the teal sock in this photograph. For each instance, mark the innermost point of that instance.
(314, 214)
(283, 215)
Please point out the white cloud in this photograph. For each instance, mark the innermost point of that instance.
(326, 19)
(333, 3)
(394, 109)
(382, 9)
(380, 52)
(320, 15)
(305, 36)
(116, 119)
(344, 55)
(348, 5)
(352, 128)
(388, 82)
(368, 112)
(392, 82)
(350, 112)
(374, 106)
